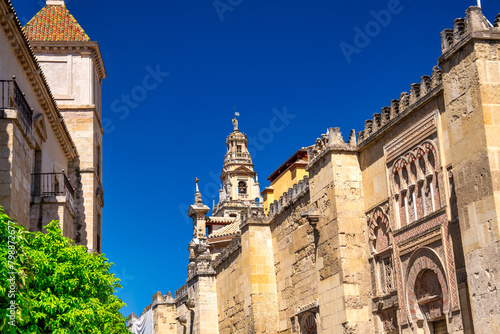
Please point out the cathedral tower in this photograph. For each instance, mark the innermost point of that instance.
(240, 187)
(74, 68)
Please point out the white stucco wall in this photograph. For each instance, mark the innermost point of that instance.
(53, 158)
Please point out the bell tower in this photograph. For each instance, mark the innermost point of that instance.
(74, 69)
(240, 186)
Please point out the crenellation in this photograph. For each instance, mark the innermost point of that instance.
(386, 115)
(352, 139)
(404, 102)
(368, 127)
(394, 109)
(289, 198)
(446, 39)
(459, 29)
(234, 246)
(437, 76)
(377, 122)
(332, 140)
(425, 85)
(414, 93)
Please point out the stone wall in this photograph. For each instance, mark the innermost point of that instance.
(471, 76)
(233, 316)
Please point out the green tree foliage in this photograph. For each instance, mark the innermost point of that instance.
(57, 287)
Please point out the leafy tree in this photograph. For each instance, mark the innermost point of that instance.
(59, 287)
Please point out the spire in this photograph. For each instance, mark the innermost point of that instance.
(54, 23)
(197, 195)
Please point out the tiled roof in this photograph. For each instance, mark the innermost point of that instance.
(231, 229)
(221, 220)
(55, 23)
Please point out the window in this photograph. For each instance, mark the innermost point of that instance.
(242, 187)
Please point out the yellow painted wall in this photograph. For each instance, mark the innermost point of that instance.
(282, 183)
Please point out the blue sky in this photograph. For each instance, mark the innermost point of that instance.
(184, 65)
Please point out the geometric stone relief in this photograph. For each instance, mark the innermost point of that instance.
(389, 320)
(427, 289)
(413, 183)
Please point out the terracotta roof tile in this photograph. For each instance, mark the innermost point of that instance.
(231, 229)
(55, 23)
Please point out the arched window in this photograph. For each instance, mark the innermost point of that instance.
(242, 187)
(308, 324)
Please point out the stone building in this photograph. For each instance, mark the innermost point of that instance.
(51, 142)
(396, 230)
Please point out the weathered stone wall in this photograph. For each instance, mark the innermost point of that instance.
(295, 262)
(471, 75)
(203, 292)
(260, 276)
(246, 281)
(233, 316)
(320, 258)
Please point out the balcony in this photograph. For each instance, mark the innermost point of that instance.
(11, 97)
(237, 156)
(52, 184)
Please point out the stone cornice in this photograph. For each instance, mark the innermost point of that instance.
(11, 26)
(74, 47)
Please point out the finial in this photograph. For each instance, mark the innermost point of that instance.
(197, 195)
(235, 119)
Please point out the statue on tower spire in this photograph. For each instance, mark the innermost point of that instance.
(235, 119)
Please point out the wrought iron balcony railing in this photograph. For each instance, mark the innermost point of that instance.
(11, 97)
(52, 184)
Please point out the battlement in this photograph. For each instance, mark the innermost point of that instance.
(181, 294)
(228, 251)
(419, 92)
(463, 29)
(332, 140)
(291, 196)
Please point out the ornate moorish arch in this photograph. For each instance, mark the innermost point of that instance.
(379, 231)
(427, 287)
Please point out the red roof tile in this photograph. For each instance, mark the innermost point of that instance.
(55, 23)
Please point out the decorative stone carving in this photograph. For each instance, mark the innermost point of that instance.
(378, 223)
(427, 286)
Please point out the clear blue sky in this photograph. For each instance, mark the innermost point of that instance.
(263, 56)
